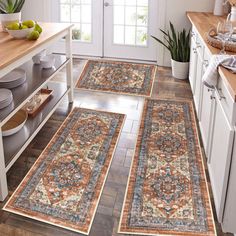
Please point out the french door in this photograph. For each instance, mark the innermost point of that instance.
(87, 17)
(128, 25)
(110, 28)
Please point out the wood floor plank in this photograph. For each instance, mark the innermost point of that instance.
(107, 217)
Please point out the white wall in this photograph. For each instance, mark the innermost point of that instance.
(176, 13)
(36, 10)
(170, 10)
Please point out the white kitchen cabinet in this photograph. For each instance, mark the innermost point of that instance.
(193, 63)
(221, 153)
(198, 80)
(206, 113)
(228, 224)
(206, 118)
(216, 113)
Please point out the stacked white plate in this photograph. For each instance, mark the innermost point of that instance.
(14, 79)
(5, 98)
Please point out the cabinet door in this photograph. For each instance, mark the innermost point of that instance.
(193, 64)
(230, 206)
(220, 158)
(198, 84)
(206, 117)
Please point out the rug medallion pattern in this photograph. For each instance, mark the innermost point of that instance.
(167, 191)
(118, 77)
(64, 186)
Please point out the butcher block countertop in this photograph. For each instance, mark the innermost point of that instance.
(203, 22)
(13, 49)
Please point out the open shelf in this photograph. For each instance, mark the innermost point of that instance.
(36, 78)
(14, 145)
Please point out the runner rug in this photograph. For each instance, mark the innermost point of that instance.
(167, 192)
(118, 77)
(64, 186)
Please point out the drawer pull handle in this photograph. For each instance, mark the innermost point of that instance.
(206, 63)
(221, 95)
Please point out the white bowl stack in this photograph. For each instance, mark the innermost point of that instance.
(37, 57)
(14, 79)
(5, 98)
(48, 61)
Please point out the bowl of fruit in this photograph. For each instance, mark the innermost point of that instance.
(27, 29)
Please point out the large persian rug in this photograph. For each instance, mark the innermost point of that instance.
(118, 77)
(64, 186)
(167, 191)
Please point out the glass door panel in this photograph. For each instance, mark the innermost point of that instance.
(86, 15)
(110, 28)
(130, 22)
(128, 25)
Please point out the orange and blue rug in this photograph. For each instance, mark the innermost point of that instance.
(64, 186)
(118, 77)
(167, 191)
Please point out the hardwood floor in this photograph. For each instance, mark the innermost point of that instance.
(108, 213)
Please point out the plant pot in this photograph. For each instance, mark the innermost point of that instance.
(218, 8)
(7, 19)
(180, 70)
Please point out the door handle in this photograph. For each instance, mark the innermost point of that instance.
(107, 4)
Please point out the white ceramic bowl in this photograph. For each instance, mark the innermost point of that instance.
(37, 57)
(20, 34)
(48, 61)
(15, 124)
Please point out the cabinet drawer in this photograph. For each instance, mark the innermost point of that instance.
(226, 100)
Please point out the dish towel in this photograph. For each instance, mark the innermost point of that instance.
(211, 75)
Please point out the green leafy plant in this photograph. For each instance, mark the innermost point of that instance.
(11, 6)
(178, 43)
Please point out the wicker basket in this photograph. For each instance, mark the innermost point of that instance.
(216, 43)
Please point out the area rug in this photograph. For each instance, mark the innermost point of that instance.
(118, 77)
(64, 186)
(167, 191)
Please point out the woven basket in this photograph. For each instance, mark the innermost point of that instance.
(216, 43)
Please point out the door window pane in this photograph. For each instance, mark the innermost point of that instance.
(119, 15)
(130, 15)
(119, 2)
(130, 35)
(142, 16)
(119, 34)
(86, 32)
(131, 2)
(78, 12)
(142, 3)
(65, 13)
(141, 38)
(76, 32)
(75, 13)
(130, 22)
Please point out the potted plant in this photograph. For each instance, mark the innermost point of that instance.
(178, 44)
(10, 11)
